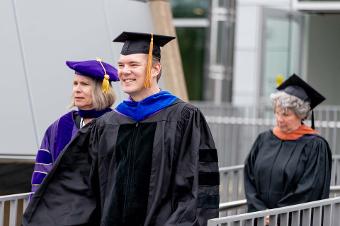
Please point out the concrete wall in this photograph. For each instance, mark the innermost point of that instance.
(323, 58)
(320, 55)
(248, 48)
(35, 40)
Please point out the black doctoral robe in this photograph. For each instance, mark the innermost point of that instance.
(280, 173)
(161, 171)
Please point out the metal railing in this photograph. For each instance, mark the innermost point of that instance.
(235, 128)
(12, 208)
(232, 197)
(322, 113)
(232, 208)
(231, 183)
(232, 186)
(323, 212)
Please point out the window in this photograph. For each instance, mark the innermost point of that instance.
(190, 19)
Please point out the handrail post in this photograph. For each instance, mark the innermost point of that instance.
(2, 212)
(13, 212)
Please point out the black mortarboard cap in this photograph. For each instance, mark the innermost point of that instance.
(295, 86)
(146, 43)
(135, 42)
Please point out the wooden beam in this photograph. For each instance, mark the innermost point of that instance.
(172, 72)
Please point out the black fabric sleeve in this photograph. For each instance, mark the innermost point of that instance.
(66, 196)
(315, 181)
(196, 180)
(253, 200)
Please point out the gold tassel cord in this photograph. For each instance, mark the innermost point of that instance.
(279, 79)
(147, 81)
(106, 81)
(106, 84)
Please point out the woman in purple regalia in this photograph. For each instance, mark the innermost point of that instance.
(93, 95)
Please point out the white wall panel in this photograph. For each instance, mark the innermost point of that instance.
(17, 133)
(245, 80)
(35, 80)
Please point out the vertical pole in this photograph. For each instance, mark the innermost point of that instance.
(171, 60)
(221, 49)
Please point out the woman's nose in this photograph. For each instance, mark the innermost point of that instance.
(76, 88)
(279, 118)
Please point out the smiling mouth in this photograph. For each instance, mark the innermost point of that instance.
(129, 80)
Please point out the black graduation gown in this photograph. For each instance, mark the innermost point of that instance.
(161, 171)
(279, 173)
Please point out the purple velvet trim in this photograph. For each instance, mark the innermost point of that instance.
(43, 168)
(63, 133)
(34, 189)
(93, 69)
(38, 177)
(43, 157)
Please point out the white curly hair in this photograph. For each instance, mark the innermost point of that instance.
(286, 101)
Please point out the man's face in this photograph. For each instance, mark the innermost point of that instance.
(132, 72)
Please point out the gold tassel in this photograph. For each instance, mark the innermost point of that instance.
(279, 79)
(106, 84)
(147, 81)
(106, 81)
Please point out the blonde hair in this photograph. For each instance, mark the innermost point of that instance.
(100, 99)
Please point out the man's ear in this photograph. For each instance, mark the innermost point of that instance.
(156, 69)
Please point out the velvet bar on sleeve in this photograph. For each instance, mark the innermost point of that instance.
(161, 171)
(280, 173)
(57, 135)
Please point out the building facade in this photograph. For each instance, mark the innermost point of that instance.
(271, 38)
